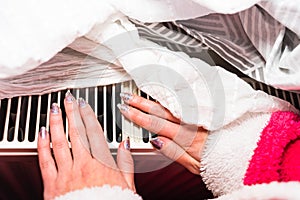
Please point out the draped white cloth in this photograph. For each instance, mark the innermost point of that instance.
(35, 31)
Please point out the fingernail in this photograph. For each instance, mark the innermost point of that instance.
(127, 143)
(69, 97)
(43, 132)
(123, 107)
(54, 108)
(81, 102)
(126, 96)
(157, 143)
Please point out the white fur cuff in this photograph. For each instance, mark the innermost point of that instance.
(274, 190)
(101, 193)
(227, 152)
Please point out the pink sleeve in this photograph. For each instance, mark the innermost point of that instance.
(276, 149)
(258, 148)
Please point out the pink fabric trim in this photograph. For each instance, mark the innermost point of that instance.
(265, 164)
(290, 167)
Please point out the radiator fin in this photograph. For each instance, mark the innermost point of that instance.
(22, 117)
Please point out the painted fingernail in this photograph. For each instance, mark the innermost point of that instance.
(54, 108)
(123, 107)
(127, 143)
(81, 102)
(69, 97)
(43, 132)
(126, 96)
(157, 143)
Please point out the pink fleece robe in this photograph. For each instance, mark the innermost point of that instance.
(277, 156)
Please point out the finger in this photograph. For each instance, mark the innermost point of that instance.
(77, 131)
(46, 162)
(60, 145)
(98, 144)
(173, 151)
(182, 134)
(148, 106)
(150, 122)
(125, 163)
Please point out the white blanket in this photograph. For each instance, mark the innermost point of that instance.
(33, 31)
(191, 89)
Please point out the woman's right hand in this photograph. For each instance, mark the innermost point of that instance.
(180, 142)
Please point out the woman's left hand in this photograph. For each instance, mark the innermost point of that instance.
(180, 142)
(89, 162)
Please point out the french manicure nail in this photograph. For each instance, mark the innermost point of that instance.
(81, 102)
(157, 143)
(127, 143)
(123, 107)
(43, 132)
(69, 97)
(54, 108)
(126, 96)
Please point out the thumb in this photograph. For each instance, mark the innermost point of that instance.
(125, 163)
(173, 151)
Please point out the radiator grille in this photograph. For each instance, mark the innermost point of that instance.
(292, 97)
(22, 117)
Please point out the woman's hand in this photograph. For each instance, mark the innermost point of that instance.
(180, 142)
(89, 163)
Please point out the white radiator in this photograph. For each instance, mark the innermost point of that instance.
(22, 117)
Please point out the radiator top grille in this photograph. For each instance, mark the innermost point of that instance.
(22, 117)
(292, 97)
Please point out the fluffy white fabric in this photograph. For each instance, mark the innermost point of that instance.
(34, 31)
(101, 193)
(227, 153)
(274, 190)
(170, 10)
(227, 7)
(184, 85)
